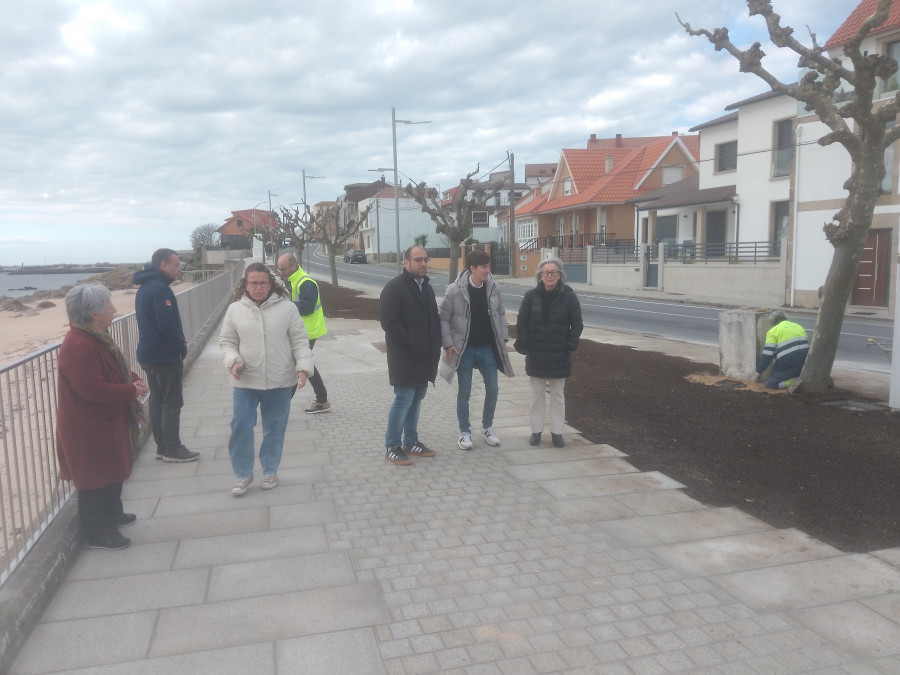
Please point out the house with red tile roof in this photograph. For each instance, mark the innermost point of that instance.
(587, 200)
(751, 221)
(238, 229)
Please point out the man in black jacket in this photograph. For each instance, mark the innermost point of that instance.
(161, 350)
(412, 333)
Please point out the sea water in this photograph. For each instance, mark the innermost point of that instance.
(41, 282)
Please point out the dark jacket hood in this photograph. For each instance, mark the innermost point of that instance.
(149, 274)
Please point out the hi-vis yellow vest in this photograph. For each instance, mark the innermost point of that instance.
(315, 322)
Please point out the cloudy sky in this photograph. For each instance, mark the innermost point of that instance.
(125, 125)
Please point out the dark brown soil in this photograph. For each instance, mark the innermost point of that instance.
(789, 460)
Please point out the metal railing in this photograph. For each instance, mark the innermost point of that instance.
(731, 252)
(610, 255)
(596, 239)
(31, 492)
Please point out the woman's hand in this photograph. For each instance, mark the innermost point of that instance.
(140, 388)
(449, 352)
(301, 379)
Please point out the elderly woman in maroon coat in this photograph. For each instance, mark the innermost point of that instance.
(98, 415)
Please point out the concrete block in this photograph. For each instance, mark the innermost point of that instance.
(739, 341)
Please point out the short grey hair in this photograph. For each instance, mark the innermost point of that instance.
(85, 300)
(555, 261)
(777, 317)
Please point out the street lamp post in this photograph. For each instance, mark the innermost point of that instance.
(394, 123)
(255, 231)
(305, 206)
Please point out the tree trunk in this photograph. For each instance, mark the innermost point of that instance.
(849, 238)
(454, 262)
(816, 373)
(331, 264)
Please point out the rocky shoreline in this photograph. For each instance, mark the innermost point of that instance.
(56, 269)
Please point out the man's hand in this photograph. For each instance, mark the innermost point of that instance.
(237, 369)
(449, 352)
(301, 379)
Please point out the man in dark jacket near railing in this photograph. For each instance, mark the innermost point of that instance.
(161, 350)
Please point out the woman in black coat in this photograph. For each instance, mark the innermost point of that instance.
(548, 330)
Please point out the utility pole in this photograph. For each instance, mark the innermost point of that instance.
(511, 224)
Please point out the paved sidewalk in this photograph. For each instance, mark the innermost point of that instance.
(500, 560)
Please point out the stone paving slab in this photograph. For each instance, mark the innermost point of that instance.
(813, 582)
(744, 551)
(500, 560)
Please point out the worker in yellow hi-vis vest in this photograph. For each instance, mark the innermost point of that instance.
(304, 293)
(785, 350)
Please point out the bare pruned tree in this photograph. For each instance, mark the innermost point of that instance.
(205, 236)
(860, 126)
(325, 226)
(453, 220)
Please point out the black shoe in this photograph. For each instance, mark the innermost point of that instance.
(179, 453)
(419, 449)
(126, 519)
(535, 439)
(557, 440)
(397, 456)
(159, 452)
(113, 542)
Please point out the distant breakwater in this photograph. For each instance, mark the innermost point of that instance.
(75, 269)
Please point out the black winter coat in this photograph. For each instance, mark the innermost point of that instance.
(412, 331)
(548, 346)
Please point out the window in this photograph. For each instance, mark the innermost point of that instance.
(672, 174)
(780, 216)
(240, 223)
(567, 186)
(560, 226)
(893, 50)
(479, 218)
(726, 156)
(781, 153)
(526, 230)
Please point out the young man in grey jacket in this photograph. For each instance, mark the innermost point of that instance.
(474, 334)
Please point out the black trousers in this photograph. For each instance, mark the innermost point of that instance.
(166, 401)
(99, 510)
(316, 381)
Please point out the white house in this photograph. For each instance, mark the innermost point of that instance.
(819, 177)
(379, 232)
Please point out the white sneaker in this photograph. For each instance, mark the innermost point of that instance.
(240, 485)
(270, 480)
(465, 440)
(489, 435)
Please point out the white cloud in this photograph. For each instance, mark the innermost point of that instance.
(123, 126)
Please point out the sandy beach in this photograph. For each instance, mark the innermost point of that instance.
(22, 333)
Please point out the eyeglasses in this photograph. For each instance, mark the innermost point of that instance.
(421, 260)
(550, 273)
(258, 284)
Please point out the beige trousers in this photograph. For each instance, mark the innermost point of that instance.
(556, 388)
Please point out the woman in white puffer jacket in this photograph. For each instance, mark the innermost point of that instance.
(265, 347)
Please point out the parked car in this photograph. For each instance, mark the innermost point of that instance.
(352, 256)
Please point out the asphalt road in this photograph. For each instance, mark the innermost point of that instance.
(693, 323)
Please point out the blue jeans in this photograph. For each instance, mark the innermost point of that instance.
(274, 406)
(482, 358)
(403, 419)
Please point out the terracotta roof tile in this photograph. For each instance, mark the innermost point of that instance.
(863, 11)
